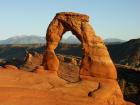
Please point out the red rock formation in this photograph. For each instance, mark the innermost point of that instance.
(12, 67)
(18, 87)
(32, 60)
(96, 65)
(96, 61)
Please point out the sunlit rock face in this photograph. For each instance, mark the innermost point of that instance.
(96, 67)
(96, 61)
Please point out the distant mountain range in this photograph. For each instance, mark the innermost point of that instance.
(113, 41)
(32, 39)
(71, 40)
(74, 40)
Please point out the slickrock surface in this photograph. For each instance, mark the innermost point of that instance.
(19, 87)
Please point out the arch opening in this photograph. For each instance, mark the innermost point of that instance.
(69, 53)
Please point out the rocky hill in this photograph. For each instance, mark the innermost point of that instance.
(127, 53)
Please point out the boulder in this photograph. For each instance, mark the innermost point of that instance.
(11, 67)
(32, 61)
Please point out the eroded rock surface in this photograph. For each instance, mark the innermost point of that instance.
(32, 61)
(19, 87)
(96, 64)
(96, 61)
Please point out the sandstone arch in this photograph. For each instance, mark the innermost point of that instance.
(96, 61)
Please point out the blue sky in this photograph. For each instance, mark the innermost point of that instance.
(110, 18)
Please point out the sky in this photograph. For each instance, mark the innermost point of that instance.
(110, 18)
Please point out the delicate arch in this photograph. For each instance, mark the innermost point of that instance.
(96, 60)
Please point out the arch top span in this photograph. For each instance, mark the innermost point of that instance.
(69, 15)
(96, 60)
